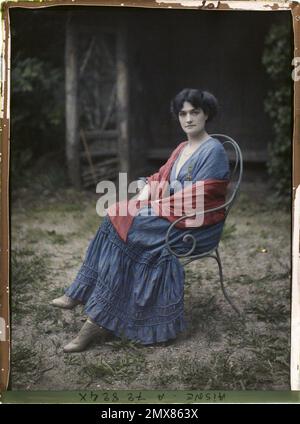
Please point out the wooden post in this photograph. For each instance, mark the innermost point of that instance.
(295, 328)
(71, 93)
(295, 322)
(5, 329)
(296, 130)
(123, 100)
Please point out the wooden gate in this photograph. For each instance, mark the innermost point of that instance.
(97, 116)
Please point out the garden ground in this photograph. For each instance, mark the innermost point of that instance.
(49, 237)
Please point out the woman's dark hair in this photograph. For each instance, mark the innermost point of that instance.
(198, 98)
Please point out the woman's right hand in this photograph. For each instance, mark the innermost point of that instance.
(144, 193)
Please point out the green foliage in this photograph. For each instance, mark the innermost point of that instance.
(38, 84)
(217, 352)
(277, 62)
(228, 231)
(37, 94)
(27, 270)
(24, 358)
(37, 107)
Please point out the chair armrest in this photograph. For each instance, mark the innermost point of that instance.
(189, 237)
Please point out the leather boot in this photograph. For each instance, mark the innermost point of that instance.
(89, 332)
(65, 302)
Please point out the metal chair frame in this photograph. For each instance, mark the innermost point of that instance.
(188, 257)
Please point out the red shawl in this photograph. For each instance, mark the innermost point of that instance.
(207, 193)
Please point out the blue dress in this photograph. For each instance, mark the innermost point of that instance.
(136, 289)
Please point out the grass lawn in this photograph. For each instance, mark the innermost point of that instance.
(50, 234)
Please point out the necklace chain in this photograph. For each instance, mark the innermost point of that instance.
(189, 153)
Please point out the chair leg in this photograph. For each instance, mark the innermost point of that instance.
(218, 259)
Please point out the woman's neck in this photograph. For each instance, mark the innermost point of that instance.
(196, 139)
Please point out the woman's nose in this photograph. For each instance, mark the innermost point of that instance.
(188, 118)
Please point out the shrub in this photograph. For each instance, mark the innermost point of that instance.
(277, 61)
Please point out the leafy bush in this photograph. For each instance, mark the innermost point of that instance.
(37, 106)
(277, 61)
(37, 94)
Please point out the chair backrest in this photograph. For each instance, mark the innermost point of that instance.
(236, 172)
(236, 169)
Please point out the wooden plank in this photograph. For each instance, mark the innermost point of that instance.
(100, 176)
(105, 170)
(296, 120)
(71, 93)
(248, 155)
(5, 324)
(107, 134)
(88, 154)
(123, 98)
(102, 147)
(111, 163)
(100, 153)
(159, 153)
(295, 330)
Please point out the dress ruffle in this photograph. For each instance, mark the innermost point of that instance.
(84, 283)
(135, 288)
(132, 291)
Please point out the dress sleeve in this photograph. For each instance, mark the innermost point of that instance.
(213, 163)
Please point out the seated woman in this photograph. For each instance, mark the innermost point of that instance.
(129, 282)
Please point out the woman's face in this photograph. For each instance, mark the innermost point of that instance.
(192, 119)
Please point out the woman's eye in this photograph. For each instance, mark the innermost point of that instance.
(195, 112)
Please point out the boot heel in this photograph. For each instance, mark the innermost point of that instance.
(88, 333)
